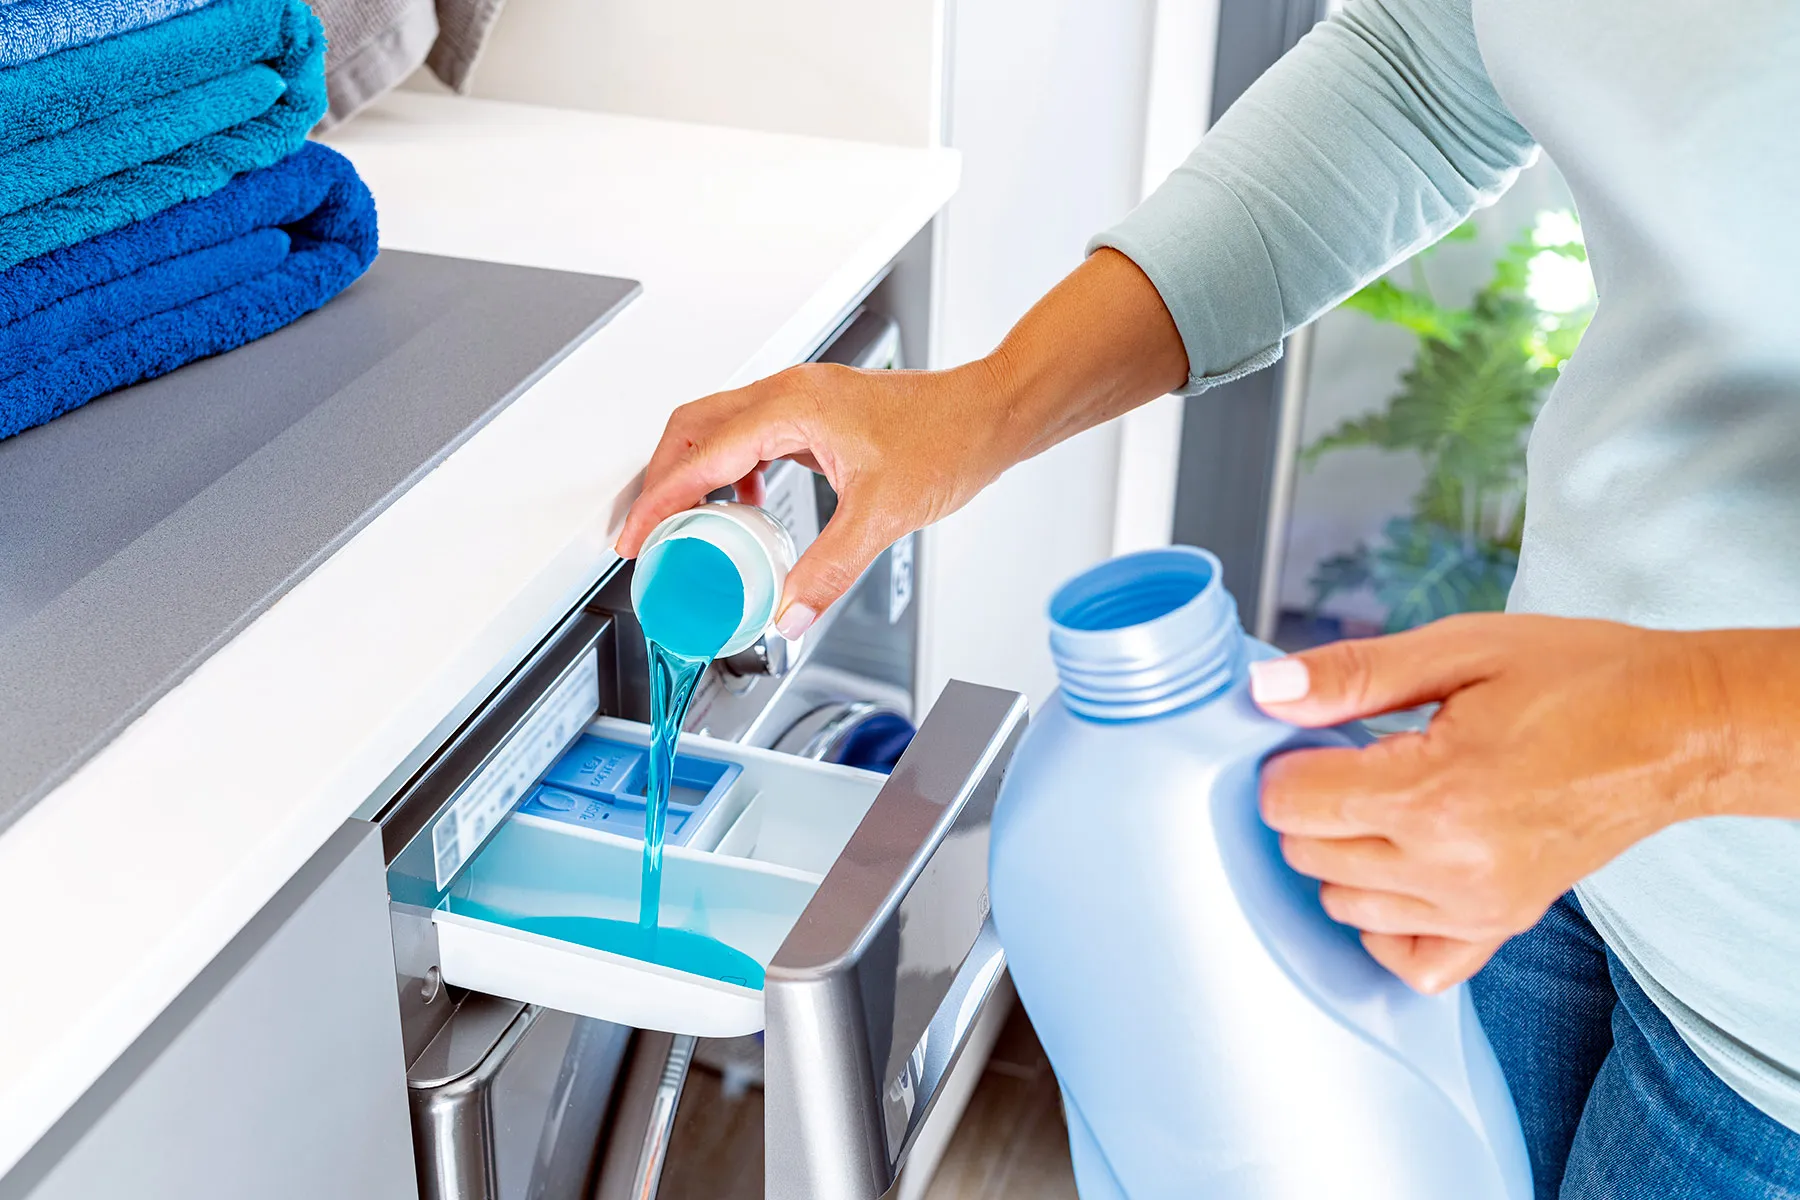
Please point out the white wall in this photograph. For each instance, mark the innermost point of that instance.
(1046, 102)
(1178, 110)
(1179, 107)
(835, 68)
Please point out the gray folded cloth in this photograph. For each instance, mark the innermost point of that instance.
(371, 45)
(463, 28)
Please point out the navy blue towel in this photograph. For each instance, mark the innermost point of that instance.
(197, 279)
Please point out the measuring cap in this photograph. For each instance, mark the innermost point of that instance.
(710, 573)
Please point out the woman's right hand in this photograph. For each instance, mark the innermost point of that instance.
(901, 449)
(906, 448)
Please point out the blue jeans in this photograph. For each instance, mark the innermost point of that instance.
(1614, 1104)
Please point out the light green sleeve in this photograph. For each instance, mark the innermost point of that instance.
(1372, 138)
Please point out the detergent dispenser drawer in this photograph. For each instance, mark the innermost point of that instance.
(779, 874)
(550, 911)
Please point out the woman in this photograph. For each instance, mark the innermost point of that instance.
(1648, 1020)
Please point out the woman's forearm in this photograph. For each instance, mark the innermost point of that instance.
(1747, 685)
(1099, 344)
(906, 448)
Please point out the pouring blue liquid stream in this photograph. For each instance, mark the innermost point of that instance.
(691, 603)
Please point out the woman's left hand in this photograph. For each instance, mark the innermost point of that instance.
(1559, 744)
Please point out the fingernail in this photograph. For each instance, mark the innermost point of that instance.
(795, 620)
(1278, 681)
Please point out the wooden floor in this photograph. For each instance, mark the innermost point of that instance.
(718, 1139)
(1010, 1144)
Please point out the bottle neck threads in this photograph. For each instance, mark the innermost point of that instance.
(1145, 634)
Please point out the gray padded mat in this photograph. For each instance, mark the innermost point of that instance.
(142, 531)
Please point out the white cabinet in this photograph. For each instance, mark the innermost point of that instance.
(278, 1073)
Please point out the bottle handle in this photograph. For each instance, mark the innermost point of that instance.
(1324, 959)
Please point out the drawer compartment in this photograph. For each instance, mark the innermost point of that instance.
(547, 912)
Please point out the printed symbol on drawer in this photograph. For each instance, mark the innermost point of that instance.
(900, 578)
(555, 801)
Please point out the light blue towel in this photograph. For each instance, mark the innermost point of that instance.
(98, 136)
(33, 28)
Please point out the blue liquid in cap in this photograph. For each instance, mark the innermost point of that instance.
(693, 597)
(691, 603)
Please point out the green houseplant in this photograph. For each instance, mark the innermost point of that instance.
(1464, 408)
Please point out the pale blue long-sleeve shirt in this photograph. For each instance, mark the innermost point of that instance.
(1664, 470)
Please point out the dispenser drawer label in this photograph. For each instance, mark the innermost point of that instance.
(499, 787)
(900, 578)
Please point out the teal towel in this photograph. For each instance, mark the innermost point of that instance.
(33, 28)
(98, 136)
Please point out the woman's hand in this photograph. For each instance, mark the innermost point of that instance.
(905, 448)
(1559, 744)
(902, 449)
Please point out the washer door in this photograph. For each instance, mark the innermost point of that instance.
(855, 733)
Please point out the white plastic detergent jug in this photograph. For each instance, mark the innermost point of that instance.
(1215, 1034)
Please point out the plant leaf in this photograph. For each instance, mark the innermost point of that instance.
(1422, 572)
(1395, 305)
(1372, 429)
(1339, 573)
(1465, 407)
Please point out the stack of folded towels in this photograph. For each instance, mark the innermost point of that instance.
(159, 201)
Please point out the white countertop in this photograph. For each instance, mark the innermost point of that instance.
(123, 883)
